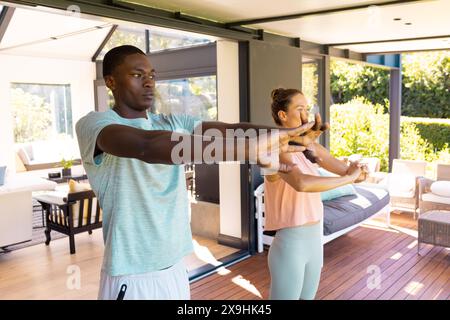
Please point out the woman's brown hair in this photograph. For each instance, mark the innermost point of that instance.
(280, 101)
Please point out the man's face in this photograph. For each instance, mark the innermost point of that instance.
(133, 82)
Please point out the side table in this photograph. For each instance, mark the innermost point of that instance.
(434, 228)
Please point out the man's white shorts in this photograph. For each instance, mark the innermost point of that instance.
(168, 284)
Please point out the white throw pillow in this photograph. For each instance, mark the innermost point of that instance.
(441, 188)
(401, 182)
(23, 156)
(29, 150)
(75, 186)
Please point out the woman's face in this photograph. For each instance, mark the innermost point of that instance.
(292, 117)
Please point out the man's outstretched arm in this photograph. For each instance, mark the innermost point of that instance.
(306, 138)
(167, 147)
(309, 137)
(223, 126)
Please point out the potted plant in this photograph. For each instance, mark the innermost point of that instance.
(67, 165)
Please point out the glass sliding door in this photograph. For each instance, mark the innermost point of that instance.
(313, 85)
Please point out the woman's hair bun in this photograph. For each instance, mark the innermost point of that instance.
(276, 92)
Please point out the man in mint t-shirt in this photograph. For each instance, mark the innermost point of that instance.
(128, 155)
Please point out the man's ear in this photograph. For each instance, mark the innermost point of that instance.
(282, 115)
(110, 83)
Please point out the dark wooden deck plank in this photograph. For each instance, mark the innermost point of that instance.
(404, 274)
(441, 271)
(355, 281)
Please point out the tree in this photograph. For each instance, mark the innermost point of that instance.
(123, 37)
(310, 80)
(426, 84)
(350, 80)
(158, 41)
(359, 127)
(32, 117)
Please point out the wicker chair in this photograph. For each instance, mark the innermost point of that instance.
(427, 200)
(406, 173)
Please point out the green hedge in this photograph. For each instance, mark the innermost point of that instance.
(358, 127)
(435, 131)
(361, 127)
(348, 80)
(425, 84)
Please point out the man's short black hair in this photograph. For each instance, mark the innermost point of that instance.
(116, 56)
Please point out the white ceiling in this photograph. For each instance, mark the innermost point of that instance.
(233, 10)
(30, 32)
(78, 36)
(427, 18)
(441, 43)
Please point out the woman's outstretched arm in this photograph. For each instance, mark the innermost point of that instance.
(330, 163)
(327, 161)
(308, 183)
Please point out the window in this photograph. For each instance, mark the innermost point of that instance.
(123, 36)
(41, 111)
(193, 96)
(160, 40)
(359, 111)
(311, 83)
(43, 118)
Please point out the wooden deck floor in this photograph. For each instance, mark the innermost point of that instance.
(349, 268)
(41, 272)
(44, 272)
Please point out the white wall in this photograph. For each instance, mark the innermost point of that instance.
(228, 111)
(79, 74)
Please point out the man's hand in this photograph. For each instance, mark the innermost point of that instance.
(311, 135)
(269, 146)
(289, 140)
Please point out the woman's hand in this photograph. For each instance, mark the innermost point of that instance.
(364, 171)
(354, 171)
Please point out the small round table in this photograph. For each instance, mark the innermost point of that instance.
(434, 228)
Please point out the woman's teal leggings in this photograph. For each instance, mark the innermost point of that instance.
(295, 263)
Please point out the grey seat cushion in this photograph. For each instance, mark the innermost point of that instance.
(346, 211)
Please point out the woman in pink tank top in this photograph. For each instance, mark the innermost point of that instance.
(293, 205)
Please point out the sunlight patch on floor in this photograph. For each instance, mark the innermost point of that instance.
(412, 244)
(413, 287)
(379, 227)
(409, 232)
(437, 294)
(246, 284)
(222, 271)
(204, 254)
(396, 256)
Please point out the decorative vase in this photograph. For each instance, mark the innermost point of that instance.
(66, 172)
